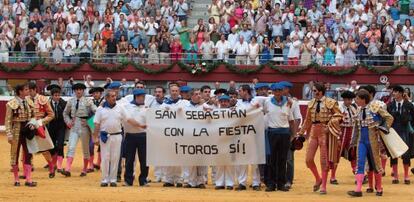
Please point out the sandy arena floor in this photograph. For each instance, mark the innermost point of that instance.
(87, 188)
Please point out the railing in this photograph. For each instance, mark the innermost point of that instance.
(168, 58)
(127, 90)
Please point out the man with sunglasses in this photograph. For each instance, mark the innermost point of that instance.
(323, 121)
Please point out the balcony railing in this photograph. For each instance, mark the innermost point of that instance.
(168, 58)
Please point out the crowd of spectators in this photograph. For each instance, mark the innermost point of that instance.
(293, 32)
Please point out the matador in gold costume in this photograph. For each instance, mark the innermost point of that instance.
(18, 114)
(42, 112)
(323, 119)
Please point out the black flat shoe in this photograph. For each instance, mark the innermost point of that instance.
(96, 166)
(179, 185)
(283, 188)
(17, 184)
(355, 194)
(103, 184)
(126, 184)
(333, 181)
(240, 187)
(270, 189)
(201, 186)
(113, 184)
(187, 186)
(51, 175)
(256, 188)
(167, 184)
(30, 184)
(90, 170)
(66, 173)
(395, 182)
(229, 188)
(407, 182)
(83, 174)
(379, 193)
(316, 187)
(219, 187)
(370, 190)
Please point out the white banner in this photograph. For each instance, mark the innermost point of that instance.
(199, 138)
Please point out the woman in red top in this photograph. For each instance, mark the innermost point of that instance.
(90, 12)
(176, 49)
(200, 35)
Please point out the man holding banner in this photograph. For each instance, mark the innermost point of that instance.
(245, 93)
(135, 138)
(195, 173)
(224, 178)
(173, 173)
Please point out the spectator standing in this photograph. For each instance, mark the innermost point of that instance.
(69, 45)
(44, 47)
(31, 44)
(181, 8)
(111, 49)
(207, 49)
(254, 50)
(5, 44)
(241, 49)
(98, 47)
(85, 47)
(294, 51)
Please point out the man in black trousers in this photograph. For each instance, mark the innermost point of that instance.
(135, 138)
(57, 127)
(403, 112)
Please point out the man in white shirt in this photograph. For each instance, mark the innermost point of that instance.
(207, 48)
(152, 27)
(44, 46)
(410, 49)
(18, 7)
(279, 121)
(297, 116)
(69, 46)
(222, 49)
(108, 132)
(135, 138)
(4, 48)
(195, 173)
(294, 51)
(173, 173)
(241, 49)
(74, 28)
(85, 47)
(246, 102)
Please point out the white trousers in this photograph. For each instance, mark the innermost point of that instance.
(159, 172)
(110, 153)
(196, 175)
(76, 133)
(172, 174)
(242, 172)
(224, 176)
